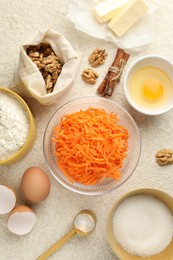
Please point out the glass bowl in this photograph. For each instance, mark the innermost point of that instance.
(129, 163)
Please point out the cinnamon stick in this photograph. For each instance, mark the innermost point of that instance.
(114, 73)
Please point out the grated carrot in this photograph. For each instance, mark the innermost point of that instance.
(90, 146)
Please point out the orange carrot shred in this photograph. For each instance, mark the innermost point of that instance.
(90, 146)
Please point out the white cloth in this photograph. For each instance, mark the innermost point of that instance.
(137, 38)
(31, 76)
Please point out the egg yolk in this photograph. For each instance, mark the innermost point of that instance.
(152, 89)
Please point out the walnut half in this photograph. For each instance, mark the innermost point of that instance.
(89, 76)
(48, 63)
(164, 157)
(97, 57)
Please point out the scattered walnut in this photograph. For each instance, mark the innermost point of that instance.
(164, 157)
(47, 62)
(97, 57)
(89, 76)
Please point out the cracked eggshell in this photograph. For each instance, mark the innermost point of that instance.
(21, 220)
(35, 185)
(7, 199)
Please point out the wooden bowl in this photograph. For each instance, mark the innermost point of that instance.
(32, 131)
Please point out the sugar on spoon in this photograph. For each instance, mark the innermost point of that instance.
(83, 224)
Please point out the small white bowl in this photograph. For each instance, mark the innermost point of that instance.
(154, 61)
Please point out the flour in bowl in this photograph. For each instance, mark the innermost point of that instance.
(14, 125)
(143, 225)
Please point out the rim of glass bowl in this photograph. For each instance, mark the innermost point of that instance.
(129, 163)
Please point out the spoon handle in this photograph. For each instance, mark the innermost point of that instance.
(57, 245)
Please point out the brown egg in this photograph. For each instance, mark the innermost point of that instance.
(35, 185)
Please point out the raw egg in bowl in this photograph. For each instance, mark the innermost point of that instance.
(148, 85)
(91, 145)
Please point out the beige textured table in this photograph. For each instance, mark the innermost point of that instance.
(19, 19)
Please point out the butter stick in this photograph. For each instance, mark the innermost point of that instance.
(105, 10)
(128, 16)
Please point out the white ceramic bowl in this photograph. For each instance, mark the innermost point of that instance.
(129, 163)
(155, 61)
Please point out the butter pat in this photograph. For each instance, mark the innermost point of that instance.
(128, 16)
(107, 9)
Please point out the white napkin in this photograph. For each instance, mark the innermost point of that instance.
(30, 75)
(137, 38)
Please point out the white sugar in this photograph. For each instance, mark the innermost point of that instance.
(143, 225)
(85, 223)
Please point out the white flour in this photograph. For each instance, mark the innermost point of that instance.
(14, 126)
